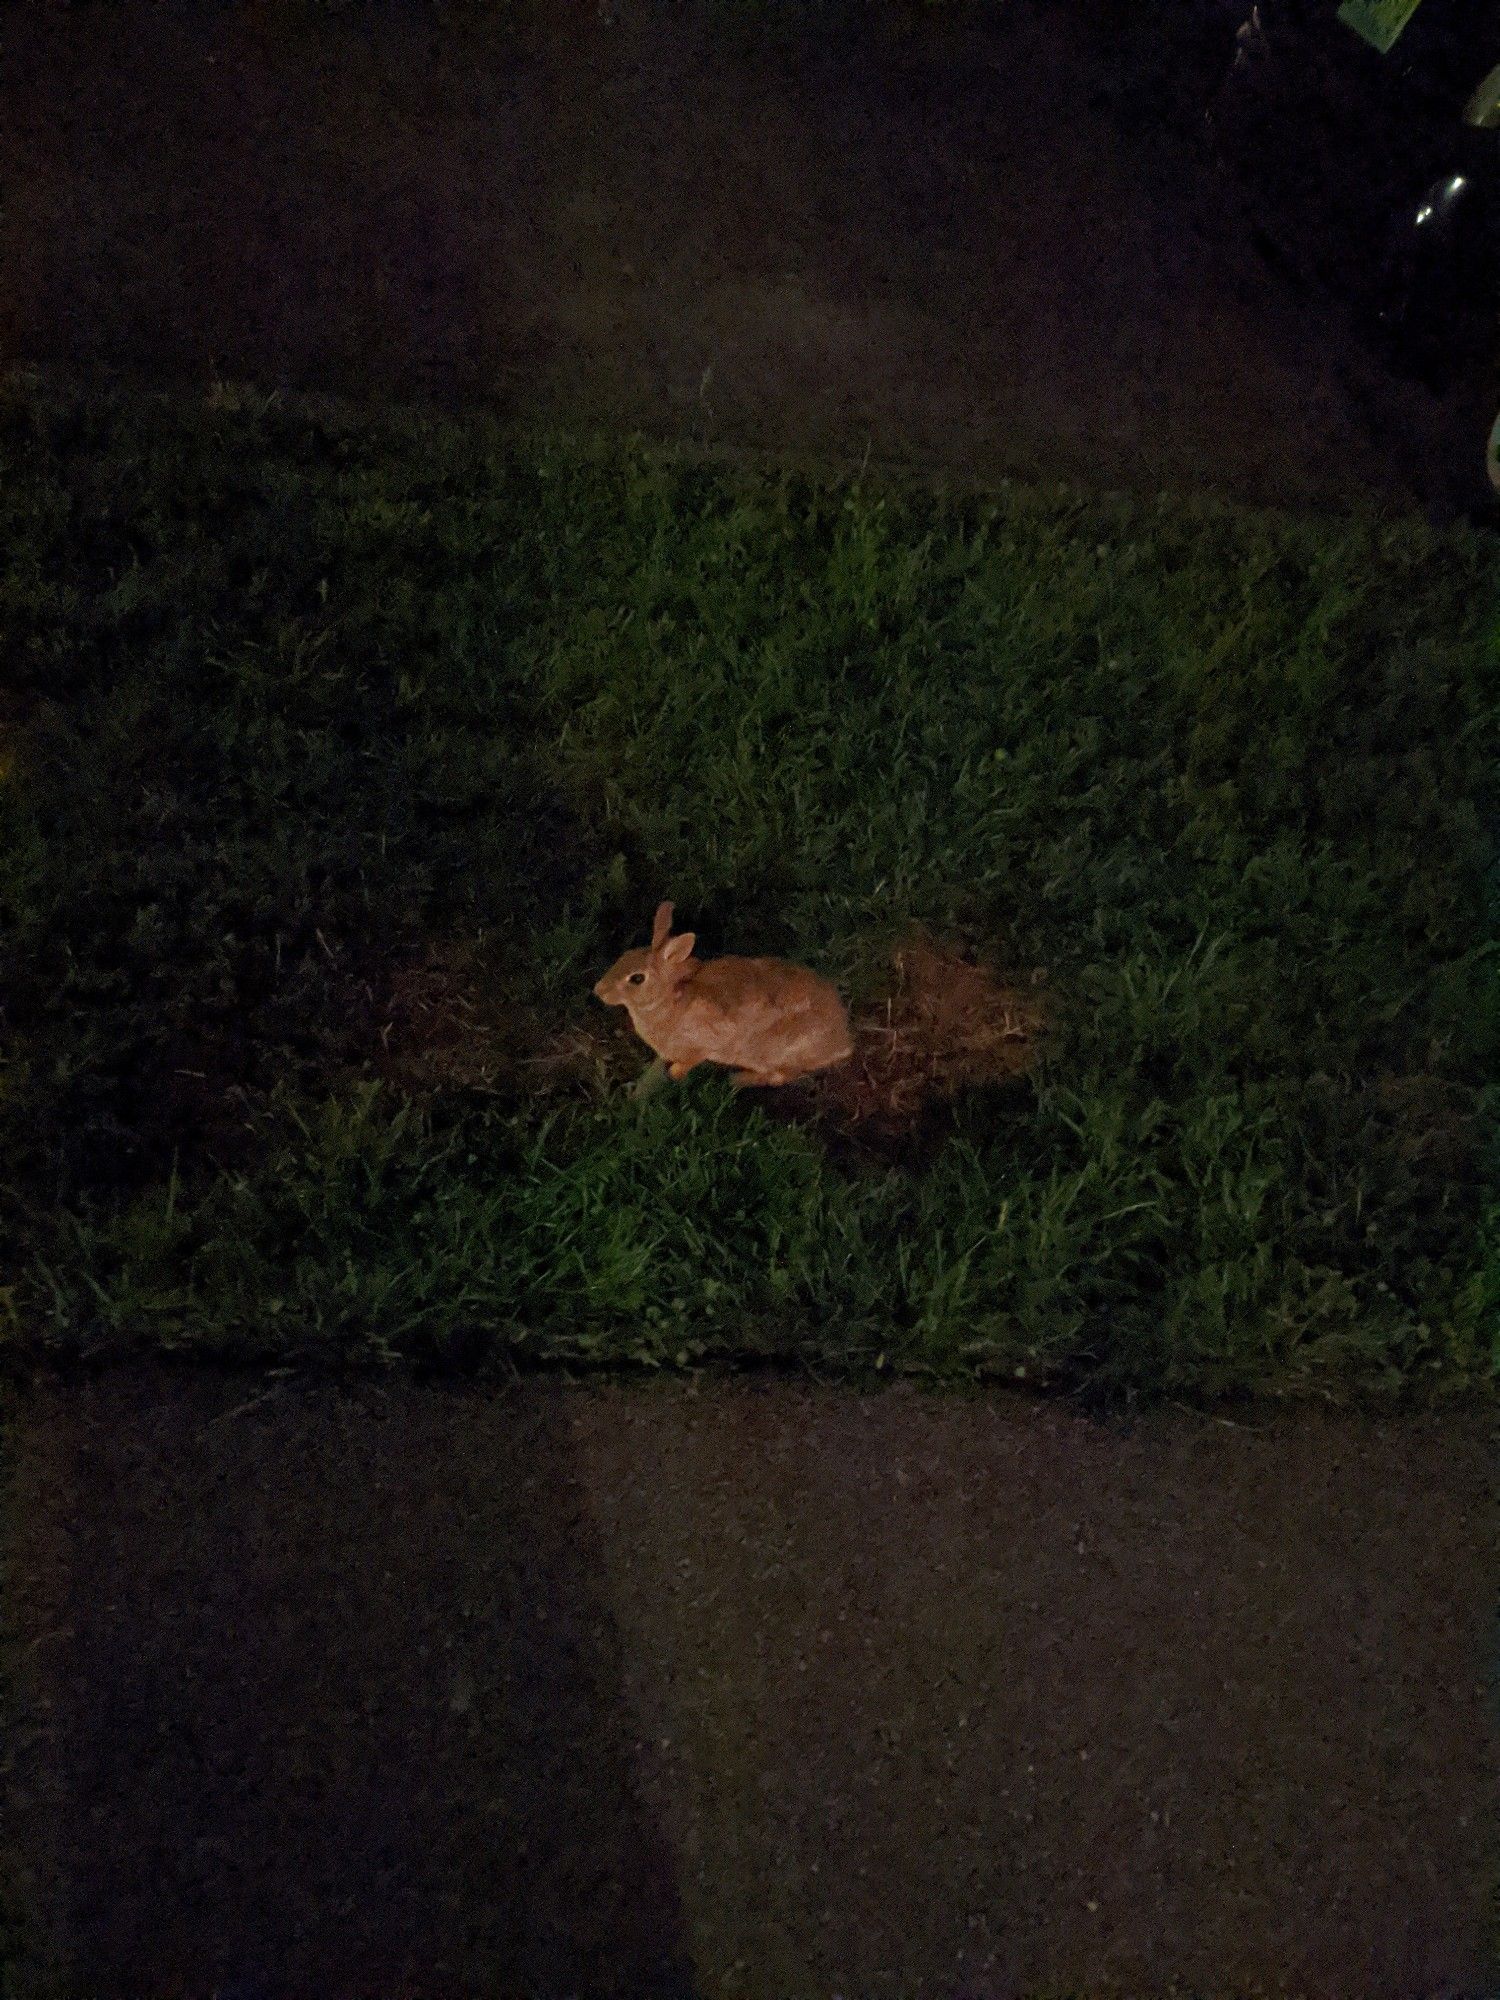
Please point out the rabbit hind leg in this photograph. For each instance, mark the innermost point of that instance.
(744, 1078)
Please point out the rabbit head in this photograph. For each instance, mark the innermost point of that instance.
(644, 979)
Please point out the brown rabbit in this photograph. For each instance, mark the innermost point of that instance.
(770, 1021)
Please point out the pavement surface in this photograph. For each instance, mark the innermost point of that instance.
(747, 1689)
(969, 245)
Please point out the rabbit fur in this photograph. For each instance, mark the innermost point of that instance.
(764, 1018)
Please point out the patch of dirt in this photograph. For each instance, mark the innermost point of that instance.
(445, 1023)
(1427, 1121)
(194, 1100)
(434, 1028)
(946, 1026)
(741, 1692)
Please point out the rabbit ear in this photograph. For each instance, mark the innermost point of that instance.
(661, 930)
(680, 947)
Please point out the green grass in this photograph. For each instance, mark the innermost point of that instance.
(296, 693)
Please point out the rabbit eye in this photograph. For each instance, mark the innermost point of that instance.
(636, 979)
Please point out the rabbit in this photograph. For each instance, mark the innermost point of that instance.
(766, 1019)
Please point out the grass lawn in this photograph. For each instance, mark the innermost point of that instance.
(341, 754)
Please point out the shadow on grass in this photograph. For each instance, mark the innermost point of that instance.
(319, 1706)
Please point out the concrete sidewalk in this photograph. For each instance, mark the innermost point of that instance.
(745, 1690)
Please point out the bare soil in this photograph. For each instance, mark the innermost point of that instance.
(744, 1689)
(939, 1026)
(965, 244)
(945, 1026)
